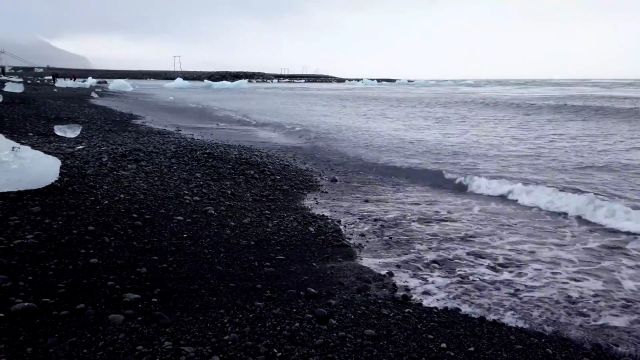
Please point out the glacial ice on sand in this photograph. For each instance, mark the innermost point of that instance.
(13, 87)
(226, 84)
(70, 130)
(89, 82)
(22, 168)
(178, 83)
(11, 78)
(1, 98)
(94, 95)
(120, 85)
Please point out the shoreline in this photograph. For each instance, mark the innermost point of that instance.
(205, 250)
(192, 75)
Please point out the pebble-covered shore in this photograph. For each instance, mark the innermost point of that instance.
(153, 245)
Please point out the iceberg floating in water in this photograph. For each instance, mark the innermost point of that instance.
(587, 206)
(178, 83)
(226, 84)
(70, 130)
(13, 87)
(22, 168)
(120, 85)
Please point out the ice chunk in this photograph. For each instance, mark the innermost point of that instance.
(11, 78)
(89, 82)
(22, 168)
(178, 83)
(38, 70)
(13, 87)
(226, 84)
(1, 98)
(94, 95)
(65, 83)
(70, 130)
(120, 85)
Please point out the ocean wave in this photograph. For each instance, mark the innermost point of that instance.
(362, 82)
(586, 206)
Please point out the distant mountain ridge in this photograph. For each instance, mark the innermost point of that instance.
(41, 53)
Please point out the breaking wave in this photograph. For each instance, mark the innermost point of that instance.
(363, 82)
(587, 206)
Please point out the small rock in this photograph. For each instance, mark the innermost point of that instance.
(93, 261)
(116, 319)
(322, 316)
(334, 179)
(311, 293)
(24, 307)
(161, 318)
(443, 345)
(36, 209)
(131, 297)
(369, 332)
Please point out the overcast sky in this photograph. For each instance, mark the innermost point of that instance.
(369, 38)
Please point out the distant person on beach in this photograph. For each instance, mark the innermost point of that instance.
(73, 77)
(3, 70)
(54, 77)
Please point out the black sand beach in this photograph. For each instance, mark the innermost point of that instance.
(153, 245)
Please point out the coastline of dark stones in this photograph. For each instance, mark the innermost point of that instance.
(154, 245)
(186, 75)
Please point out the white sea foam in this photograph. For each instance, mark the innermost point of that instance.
(178, 83)
(587, 206)
(362, 82)
(120, 85)
(226, 84)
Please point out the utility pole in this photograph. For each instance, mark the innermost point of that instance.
(177, 63)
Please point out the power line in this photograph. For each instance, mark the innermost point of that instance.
(16, 57)
(177, 61)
